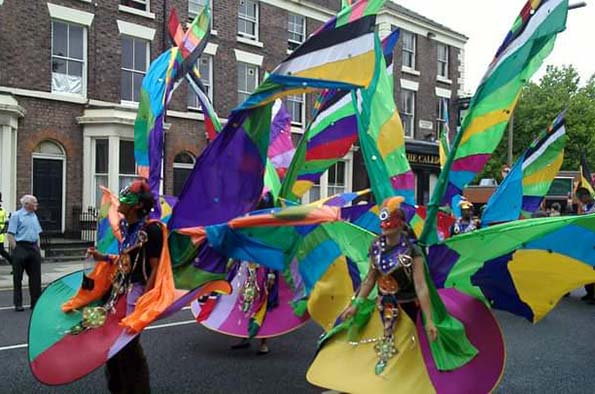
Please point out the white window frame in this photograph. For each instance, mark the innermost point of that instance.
(257, 71)
(83, 92)
(131, 10)
(440, 119)
(302, 121)
(93, 158)
(323, 181)
(184, 166)
(442, 63)
(248, 36)
(122, 68)
(412, 51)
(125, 175)
(195, 105)
(303, 32)
(411, 114)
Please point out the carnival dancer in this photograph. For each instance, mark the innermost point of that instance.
(379, 344)
(466, 222)
(259, 293)
(127, 371)
(261, 302)
(587, 206)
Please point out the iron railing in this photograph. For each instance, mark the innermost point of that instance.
(84, 224)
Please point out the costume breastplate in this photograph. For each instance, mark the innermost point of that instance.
(395, 266)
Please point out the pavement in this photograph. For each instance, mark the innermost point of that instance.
(49, 272)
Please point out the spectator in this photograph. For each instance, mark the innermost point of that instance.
(587, 206)
(23, 235)
(556, 209)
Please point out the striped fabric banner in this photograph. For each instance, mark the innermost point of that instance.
(381, 135)
(339, 55)
(529, 42)
(523, 189)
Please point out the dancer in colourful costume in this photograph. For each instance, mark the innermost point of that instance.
(396, 267)
(140, 250)
(381, 343)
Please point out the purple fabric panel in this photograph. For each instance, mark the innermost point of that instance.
(403, 181)
(473, 163)
(441, 259)
(180, 302)
(354, 212)
(531, 203)
(155, 159)
(451, 191)
(281, 122)
(409, 211)
(313, 177)
(481, 374)
(341, 129)
(125, 337)
(226, 181)
(208, 259)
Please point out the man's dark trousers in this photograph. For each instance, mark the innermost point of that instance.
(26, 258)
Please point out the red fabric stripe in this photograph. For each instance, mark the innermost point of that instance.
(333, 150)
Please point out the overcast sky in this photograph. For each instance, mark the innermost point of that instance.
(486, 22)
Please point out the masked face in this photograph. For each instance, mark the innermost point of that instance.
(390, 221)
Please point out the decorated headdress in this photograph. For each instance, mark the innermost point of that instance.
(465, 204)
(138, 191)
(391, 215)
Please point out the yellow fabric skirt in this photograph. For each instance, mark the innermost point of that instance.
(349, 368)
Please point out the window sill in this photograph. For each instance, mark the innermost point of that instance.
(249, 41)
(70, 97)
(128, 104)
(289, 51)
(443, 80)
(134, 11)
(411, 71)
(297, 129)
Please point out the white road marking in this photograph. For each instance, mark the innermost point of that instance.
(22, 345)
(165, 325)
(178, 323)
(4, 308)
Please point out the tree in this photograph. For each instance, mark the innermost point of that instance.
(539, 104)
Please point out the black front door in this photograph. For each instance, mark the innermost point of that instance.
(47, 187)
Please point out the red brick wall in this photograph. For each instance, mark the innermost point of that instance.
(54, 121)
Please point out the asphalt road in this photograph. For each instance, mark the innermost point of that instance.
(555, 356)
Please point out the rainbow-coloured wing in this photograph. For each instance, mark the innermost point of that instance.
(328, 138)
(524, 49)
(108, 223)
(523, 267)
(523, 189)
(381, 134)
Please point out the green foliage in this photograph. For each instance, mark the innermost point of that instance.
(539, 104)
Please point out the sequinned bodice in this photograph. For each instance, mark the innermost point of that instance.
(395, 265)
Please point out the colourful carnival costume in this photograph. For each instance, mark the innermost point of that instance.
(260, 305)
(383, 347)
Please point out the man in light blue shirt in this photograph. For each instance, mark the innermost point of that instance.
(23, 236)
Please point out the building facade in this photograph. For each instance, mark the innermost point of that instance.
(69, 90)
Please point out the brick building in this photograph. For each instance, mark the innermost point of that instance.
(69, 90)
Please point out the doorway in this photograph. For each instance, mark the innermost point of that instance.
(48, 186)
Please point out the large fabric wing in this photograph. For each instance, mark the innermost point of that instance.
(528, 266)
(523, 189)
(524, 49)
